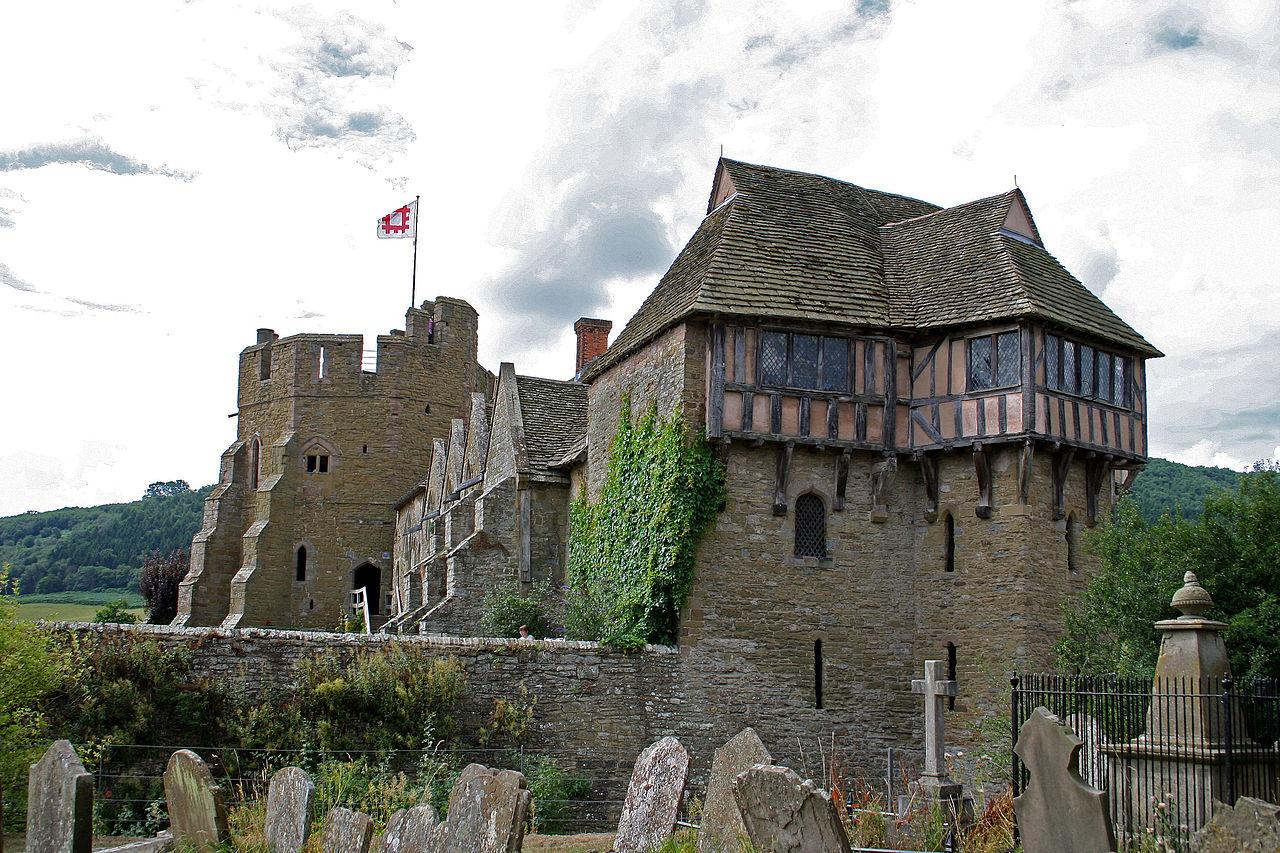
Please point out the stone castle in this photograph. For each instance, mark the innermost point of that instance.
(919, 410)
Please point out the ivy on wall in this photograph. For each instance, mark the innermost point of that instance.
(631, 553)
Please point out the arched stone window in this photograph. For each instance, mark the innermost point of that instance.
(1073, 544)
(811, 526)
(255, 463)
(949, 529)
(300, 565)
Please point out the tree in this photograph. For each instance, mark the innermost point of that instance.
(166, 488)
(158, 583)
(117, 612)
(1234, 549)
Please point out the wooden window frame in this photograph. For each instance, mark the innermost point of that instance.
(995, 361)
(789, 362)
(1126, 401)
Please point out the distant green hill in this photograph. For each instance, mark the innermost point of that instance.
(1177, 488)
(100, 547)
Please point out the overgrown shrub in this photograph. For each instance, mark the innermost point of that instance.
(509, 605)
(509, 722)
(158, 582)
(632, 553)
(553, 789)
(116, 611)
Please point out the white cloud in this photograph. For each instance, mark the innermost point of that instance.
(1207, 452)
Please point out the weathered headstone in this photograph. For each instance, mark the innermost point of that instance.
(197, 813)
(1058, 812)
(721, 820)
(59, 803)
(652, 804)
(410, 831)
(487, 810)
(784, 814)
(346, 831)
(1253, 826)
(289, 801)
(161, 843)
(1095, 765)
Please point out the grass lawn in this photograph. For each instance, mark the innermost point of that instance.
(62, 611)
(591, 843)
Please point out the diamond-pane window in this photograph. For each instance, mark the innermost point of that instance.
(1008, 359)
(811, 526)
(980, 373)
(835, 364)
(1051, 371)
(804, 361)
(1104, 376)
(1070, 379)
(1086, 371)
(1121, 395)
(773, 358)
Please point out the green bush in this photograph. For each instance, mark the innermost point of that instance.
(509, 605)
(632, 553)
(553, 788)
(117, 612)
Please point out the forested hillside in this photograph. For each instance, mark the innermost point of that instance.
(1179, 489)
(101, 547)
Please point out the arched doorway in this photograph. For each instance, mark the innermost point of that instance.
(369, 578)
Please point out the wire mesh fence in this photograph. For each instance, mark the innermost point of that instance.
(1164, 750)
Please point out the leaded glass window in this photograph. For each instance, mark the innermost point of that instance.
(1086, 371)
(811, 526)
(773, 358)
(980, 367)
(1104, 376)
(1121, 395)
(1052, 372)
(804, 361)
(835, 364)
(1070, 379)
(1008, 359)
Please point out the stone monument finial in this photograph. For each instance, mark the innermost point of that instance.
(1191, 599)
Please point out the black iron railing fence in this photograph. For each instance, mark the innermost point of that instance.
(1164, 750)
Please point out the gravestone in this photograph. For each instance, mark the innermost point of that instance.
(936, 689)
(1253, 826)
(652, 803)
(721, 820)
(487, 810)
(1058, 812)
(160, 843)
(346, 831)
(784, 814)
(197, 813)
(1095, 765)
(59, 803)
(410, 831)
(289, 801)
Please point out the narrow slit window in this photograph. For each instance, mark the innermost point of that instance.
(951, 673)
(323, 464)
(817, 674)
(949, 525)
(300, 564)
(255, 463)
(264, 363)
(811, 526)
(322, 366)
(1073, 537)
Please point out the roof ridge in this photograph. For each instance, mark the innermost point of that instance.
(573, 382)
(833, 180)
(953, 208)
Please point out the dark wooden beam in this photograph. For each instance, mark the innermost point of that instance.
(1028, 378)
(882, 474)
(1096, 472)
(1061, 468)
(927, 360)
(929, 468)
(891, 394)
(1025, 464)
(842, 480)
(780, 478)
(928, 428)
(715, 405)
(982, 467)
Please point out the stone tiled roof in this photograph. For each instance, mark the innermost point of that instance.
(792, 245)
(554, 415)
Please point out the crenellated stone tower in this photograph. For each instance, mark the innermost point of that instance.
(303, 509)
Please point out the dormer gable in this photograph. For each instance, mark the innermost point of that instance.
(1018, 222)
(722, 188)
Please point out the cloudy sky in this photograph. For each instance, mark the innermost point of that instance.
(174, 175)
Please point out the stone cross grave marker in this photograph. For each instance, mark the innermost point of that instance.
(59, 803)
(487, 810)
(721, 820)
(936, 689)
(197, 813)
(784, 814)
(410, 831)
(1058, 812)
(346, 831)
(652, 804)
(289, 801)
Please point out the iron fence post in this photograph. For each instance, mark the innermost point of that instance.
(1014, 771)
(1230, 737)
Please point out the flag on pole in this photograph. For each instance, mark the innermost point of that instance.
(399, 223)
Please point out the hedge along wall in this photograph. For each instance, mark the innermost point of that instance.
(597, 708)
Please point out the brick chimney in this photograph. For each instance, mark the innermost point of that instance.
(593, 340)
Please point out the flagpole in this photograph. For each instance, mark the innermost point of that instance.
(413, 289)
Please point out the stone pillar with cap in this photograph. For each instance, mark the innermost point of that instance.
(1193, 659)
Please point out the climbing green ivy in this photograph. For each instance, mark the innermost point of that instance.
(631, 553)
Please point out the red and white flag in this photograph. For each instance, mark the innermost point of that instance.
(402, 222)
